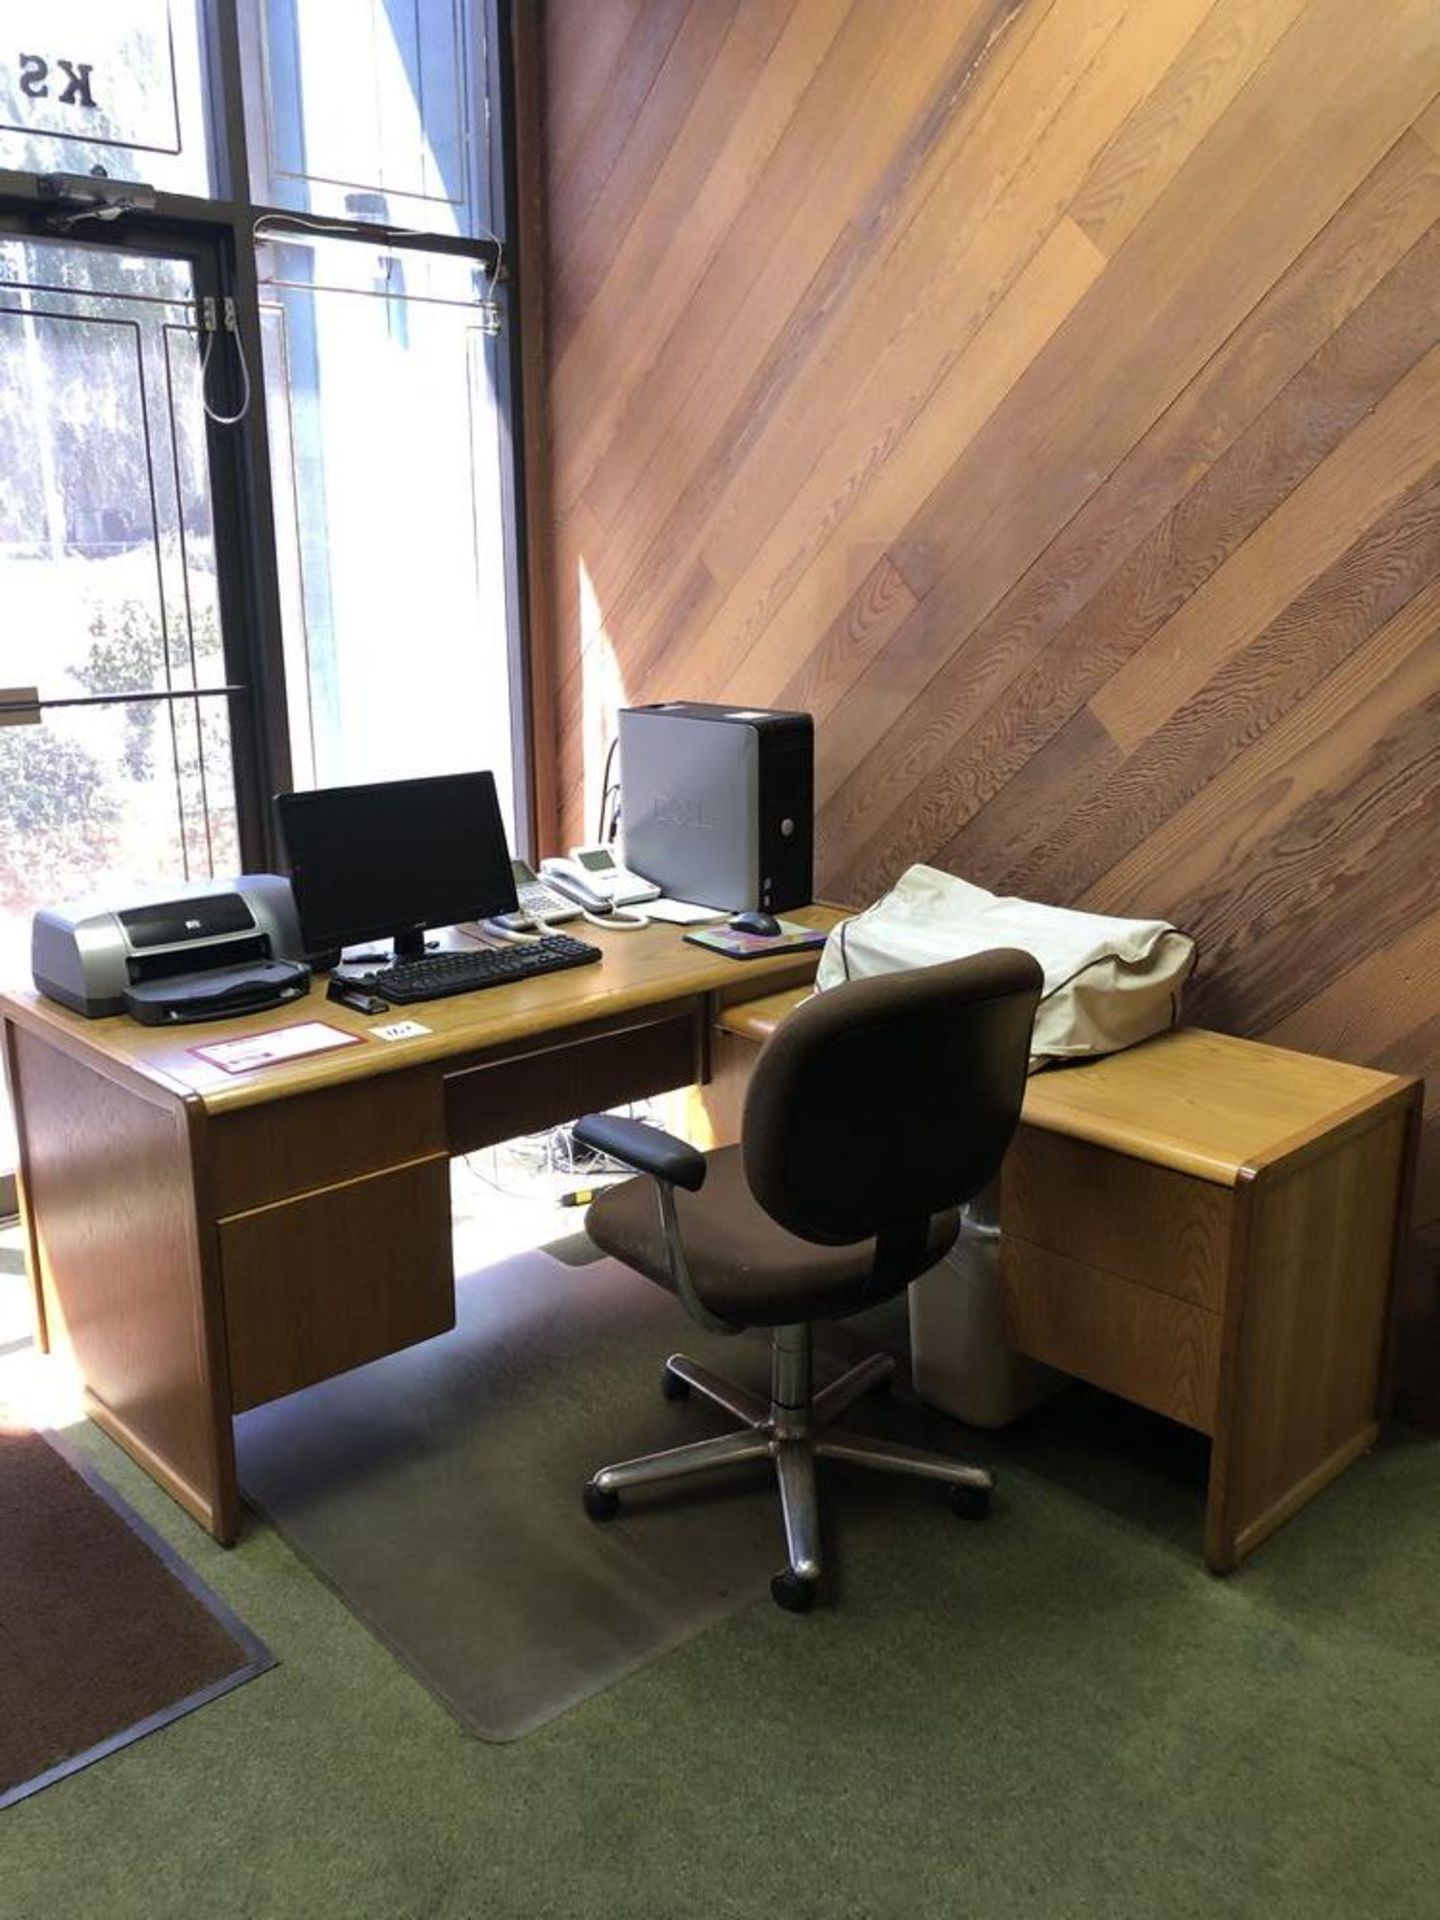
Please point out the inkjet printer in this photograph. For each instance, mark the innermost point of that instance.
(193, 952)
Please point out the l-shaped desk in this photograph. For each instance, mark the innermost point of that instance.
(1206, 1226)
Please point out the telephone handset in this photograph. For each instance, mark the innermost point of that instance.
(536, 899)
(593, 877)
(565, 878)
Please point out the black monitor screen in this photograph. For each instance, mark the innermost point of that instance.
(393, 859)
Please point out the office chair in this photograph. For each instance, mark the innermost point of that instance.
(873, 1113)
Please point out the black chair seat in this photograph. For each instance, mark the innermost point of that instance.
(745, 1266)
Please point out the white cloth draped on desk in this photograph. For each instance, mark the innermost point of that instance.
(1108, 983)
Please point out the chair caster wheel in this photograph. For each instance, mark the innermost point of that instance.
(673, 1387)
(971, 1503)
(600, 1502)
(792, 1593)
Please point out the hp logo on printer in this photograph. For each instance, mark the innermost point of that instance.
(193, 926)
(677, 812)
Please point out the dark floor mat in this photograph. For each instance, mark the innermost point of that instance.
(106, 1635)
(438, 1491)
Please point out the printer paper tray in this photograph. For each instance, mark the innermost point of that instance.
(214, 994)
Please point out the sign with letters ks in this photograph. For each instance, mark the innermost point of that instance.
(94, 71)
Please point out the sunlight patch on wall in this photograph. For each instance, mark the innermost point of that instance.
(602, 695)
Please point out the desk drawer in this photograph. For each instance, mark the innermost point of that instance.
(545, 1084)
(326, 1282)
(1144, 1223)
(312, 1140)
(1159, 1352)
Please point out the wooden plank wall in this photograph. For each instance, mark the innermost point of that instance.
(1046, 394)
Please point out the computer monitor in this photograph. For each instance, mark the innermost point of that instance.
(390, 860)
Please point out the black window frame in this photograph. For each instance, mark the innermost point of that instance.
(217, 235)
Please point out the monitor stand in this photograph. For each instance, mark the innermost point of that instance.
(409, 944)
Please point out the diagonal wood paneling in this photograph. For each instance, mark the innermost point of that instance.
(1046, 394)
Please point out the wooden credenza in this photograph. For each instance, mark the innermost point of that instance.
(1208, 1227)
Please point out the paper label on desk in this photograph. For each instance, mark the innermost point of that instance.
(280, 1043)
(400, 1030)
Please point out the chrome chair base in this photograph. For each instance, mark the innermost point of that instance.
(794, 1428)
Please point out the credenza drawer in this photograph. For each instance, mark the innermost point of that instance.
(1161, 1229)
(317, 1285)
(1146, 1346)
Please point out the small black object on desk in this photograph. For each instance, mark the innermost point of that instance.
(347, 993)
(755, 921)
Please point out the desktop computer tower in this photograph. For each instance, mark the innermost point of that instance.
(716, 803)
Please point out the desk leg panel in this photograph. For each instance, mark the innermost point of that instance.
(710, 1113)
(10, 1049)
(110, 1181)
(1302, 1375)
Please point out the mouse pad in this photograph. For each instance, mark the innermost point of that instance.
(792, 937)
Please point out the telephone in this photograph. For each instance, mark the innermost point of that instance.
(594, 877)
(535, 898)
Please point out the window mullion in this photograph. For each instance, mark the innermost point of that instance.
(230, 157)
(240, 458)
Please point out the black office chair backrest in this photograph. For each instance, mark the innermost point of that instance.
(885, 1101)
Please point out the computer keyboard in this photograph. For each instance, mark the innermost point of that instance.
(439, 974)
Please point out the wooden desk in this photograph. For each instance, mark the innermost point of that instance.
(1209, 1227)
(206, 1242)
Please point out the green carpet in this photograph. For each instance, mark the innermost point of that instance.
(1056, 1714)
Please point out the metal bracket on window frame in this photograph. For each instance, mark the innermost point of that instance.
(19, 707)
(92, 196)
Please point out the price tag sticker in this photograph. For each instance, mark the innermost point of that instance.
(400, 1030)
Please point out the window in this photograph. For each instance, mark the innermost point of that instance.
(385, 444)
(255, 447)
(382, 121)
(107, 575)
(112, 85)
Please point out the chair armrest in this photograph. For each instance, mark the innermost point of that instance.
(670, 1163)
(647, 1149)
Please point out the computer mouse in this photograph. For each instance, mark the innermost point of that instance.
(755, 922)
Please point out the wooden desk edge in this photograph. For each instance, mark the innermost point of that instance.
(218, 1515)
(10, 1066)
(33, 1013)
(1231, 1533)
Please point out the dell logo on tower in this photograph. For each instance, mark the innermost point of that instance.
(677, 812)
